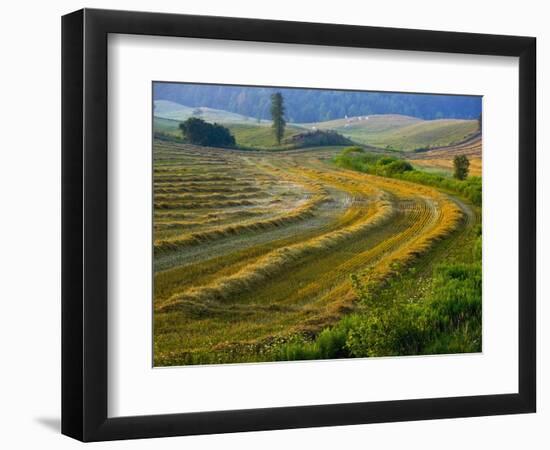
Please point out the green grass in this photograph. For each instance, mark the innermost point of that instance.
(400, 169)
(166, 126)
(402, 133)
(248, 136)
(259, 136)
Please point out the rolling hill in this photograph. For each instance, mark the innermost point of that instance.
(403, 133)
(166, 109)
(385, 131)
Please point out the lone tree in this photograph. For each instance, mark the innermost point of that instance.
(197, 131)
(462, 167)
(277, 115)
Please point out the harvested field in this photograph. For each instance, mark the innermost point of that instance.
(442, 158)
(253, 248)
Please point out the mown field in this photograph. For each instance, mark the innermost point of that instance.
(442, 159)
(262, 256)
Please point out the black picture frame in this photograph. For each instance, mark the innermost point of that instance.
(84, 224)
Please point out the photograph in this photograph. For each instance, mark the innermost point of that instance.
(294, 224)
(275, 225)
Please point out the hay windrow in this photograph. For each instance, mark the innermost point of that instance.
(276, 261)
(280, 266)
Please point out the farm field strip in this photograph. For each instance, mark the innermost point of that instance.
(294, 209)
(442, 158)
(250, 280)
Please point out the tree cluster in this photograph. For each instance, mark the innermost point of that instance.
(197, 131)
(318, 138)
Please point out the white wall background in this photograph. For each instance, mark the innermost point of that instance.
(30, 224)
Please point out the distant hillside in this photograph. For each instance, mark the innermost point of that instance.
(166, 109)
(316, 105)
(387, 131)
(401, 132)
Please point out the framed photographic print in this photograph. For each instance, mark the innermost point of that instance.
(276, 225)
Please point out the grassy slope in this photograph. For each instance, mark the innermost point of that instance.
(251, 135)
(388, 131)
(402, 132)
(169, 110)
(259, 136)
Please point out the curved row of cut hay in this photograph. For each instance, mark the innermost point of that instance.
(332, 294)
(201, 187)
(267, 177)
(199, 198)
(193, 178)
(171, 216)
(388, 258)
(186, 220)
(304, 211)
(227, 189)
(332, 215)
(204, 205)
(276, 261)
(429, 220)
(447, 221)
(402, 227)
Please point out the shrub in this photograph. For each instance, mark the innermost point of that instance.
(197, 131)
(397, 167)
(318, 138)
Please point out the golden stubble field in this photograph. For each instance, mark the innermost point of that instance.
(442, 159)
(251, 248)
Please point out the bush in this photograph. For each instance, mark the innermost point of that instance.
(349, 150)
(197, 131)
(396, 167)
(318, 138)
